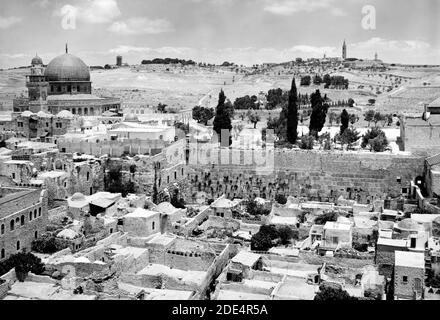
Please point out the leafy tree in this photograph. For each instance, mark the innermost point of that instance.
(378, 117)
(246, 103)
(222, 120)
(292, 114)
(369, 116)
(319, 113)
(261, 242)
(23, 263)
(351, 103)
(349, 137)
(285, 234)
(202, 114)
(379, 144)
(306, 80)
(345, 119)
(254, 118)
(353, 119)
(328, 293)
(275, 98)
(281, 199)
(263, 239)
(255, 209)
(326, 217)
(307, 142)
(332, 118)
(317, 80)
(162, 108)
(177, 201)
(325, 141)
(48, 244)
(376, 139)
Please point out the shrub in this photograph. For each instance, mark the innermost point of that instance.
(23, 263)
(327, 293)
(281, 199)
(48, 244)
(328, 216)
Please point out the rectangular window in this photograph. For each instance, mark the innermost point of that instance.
(405, 279)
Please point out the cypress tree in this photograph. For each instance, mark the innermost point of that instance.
(292, 114)
(345, 119)
(319, 113)
(222, 119)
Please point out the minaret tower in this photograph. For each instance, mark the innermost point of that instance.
(344, 51)
(37, 86)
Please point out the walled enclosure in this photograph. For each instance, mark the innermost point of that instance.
(360, 176)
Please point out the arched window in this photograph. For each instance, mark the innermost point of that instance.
(12, 225)
(168, 179)
(74, 111)
(175, 175)
(30, 216)
(18, 245)
(22, 220)
(39, 212)
(2, 256)
(17, 221)
(2, 229)
(35, 214)
(153, 225)
(36, 234)
(88, 176)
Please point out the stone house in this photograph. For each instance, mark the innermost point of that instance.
(409, 275)
(142, 223)
(23, 218)
(336, 235)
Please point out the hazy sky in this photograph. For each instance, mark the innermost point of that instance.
(242, 31)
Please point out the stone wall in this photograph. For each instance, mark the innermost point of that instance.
(113, 148)
(403, 289)
(319, 174)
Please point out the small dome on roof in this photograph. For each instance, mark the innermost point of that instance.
(222, 203)
(67, 234)
(165, 207)
(131, 117)
(65, 114)
(26, 113)
(36, 61)
(408, 224)
(78, 197)
(43, 114)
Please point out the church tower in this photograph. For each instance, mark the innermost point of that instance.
(37, 86)
(344, 51)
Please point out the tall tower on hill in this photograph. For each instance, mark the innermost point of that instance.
(344, 51)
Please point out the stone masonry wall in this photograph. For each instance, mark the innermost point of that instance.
(360, 176)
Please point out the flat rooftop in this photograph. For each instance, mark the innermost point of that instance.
(141, 213)
(410, 259)
(196, 277)
(293, 288)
